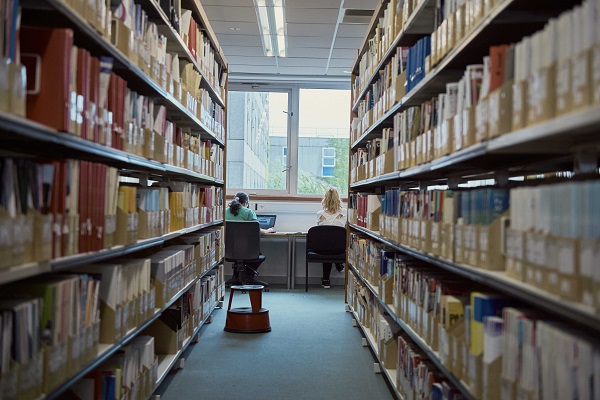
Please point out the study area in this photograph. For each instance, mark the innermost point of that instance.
(304, 199)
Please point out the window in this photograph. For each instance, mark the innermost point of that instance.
(249, 145)
(323, 125)
(328, 162)
(295, 140)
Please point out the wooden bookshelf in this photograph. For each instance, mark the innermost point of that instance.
(22, 138)
(562, 144)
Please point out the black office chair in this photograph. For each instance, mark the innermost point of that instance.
(242, 247)
(325, 243)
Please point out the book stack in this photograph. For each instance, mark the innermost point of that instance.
(59, 314)
(417, 377)
(21, 347)
(56, 209)
(553, 240)
(479, 227)
(12, 73)
(126, 296)
(208, 248)
(191, 204)
(132, 372)
(153, 211)
(168, 271)
(368, 209)
(415, 64)
(200, 47)
(366, 256)
(538, 354)
(387, 28)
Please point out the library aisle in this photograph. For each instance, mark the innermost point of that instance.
(313, 351)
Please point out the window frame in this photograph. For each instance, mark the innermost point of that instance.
(293, 88)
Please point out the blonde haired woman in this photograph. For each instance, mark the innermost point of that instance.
(332, 214)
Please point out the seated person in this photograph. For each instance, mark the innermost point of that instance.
(238, 211)
(332, 214)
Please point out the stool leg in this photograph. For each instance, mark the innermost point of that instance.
(230, 298)
(256, 300)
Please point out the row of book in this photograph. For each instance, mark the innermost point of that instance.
(53, 324)
(43, 320)
(554, 242)
(511, 89)
(389, 25)
(398, 77)
(59, 208)
(500, 348)
(133, 371)
(97, 104)
(133, 32)
(454, 20)
(415, 375)
(193, 35)
(545, 235)
(567, 209)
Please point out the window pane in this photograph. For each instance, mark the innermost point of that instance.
(328, 172)
(328, 152)
(328, 161)
(257, 140)
(324, 132)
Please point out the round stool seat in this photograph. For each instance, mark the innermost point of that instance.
(247, 287)
(254, 319)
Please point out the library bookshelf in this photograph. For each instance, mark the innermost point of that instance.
(472, 218)
(112, 136)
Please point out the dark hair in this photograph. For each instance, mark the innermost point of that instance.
(236, 204)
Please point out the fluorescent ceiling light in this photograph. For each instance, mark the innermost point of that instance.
(271, 22)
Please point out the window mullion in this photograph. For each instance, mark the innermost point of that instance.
(293, 141)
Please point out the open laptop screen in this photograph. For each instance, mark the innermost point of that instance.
(266, 221)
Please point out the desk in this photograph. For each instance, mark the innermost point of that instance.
(291, 238)
(285, 254)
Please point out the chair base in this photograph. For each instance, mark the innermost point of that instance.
(243, 320)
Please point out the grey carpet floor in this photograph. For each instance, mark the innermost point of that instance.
(312, 352)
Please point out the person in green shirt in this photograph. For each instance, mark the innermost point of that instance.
(239, 210)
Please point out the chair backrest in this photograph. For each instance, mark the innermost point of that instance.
(326, 239)
(242, 240)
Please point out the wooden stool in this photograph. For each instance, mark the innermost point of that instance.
(254, 319)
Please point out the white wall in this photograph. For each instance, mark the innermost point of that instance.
(292, 216)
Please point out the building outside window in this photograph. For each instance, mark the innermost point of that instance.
(328, 163)
(297, 143)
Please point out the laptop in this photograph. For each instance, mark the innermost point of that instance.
(266, 221)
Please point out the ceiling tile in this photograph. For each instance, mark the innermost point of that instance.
(341, 63)
(302, 62)
(251, 60)
(246, 28)
(219, 13)
(359, 4)
(243, 51)
(323, 30)
(345, 53)
(307, 52)
(313, 4)
(314, 16)
(240, 40)
(309, 41)
(352, 30)
(338, 71)
(302, 70)
(252, 69)
(345, 43)
(228, 3)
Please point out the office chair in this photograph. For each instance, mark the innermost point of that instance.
(242, 247)
(325, 243)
